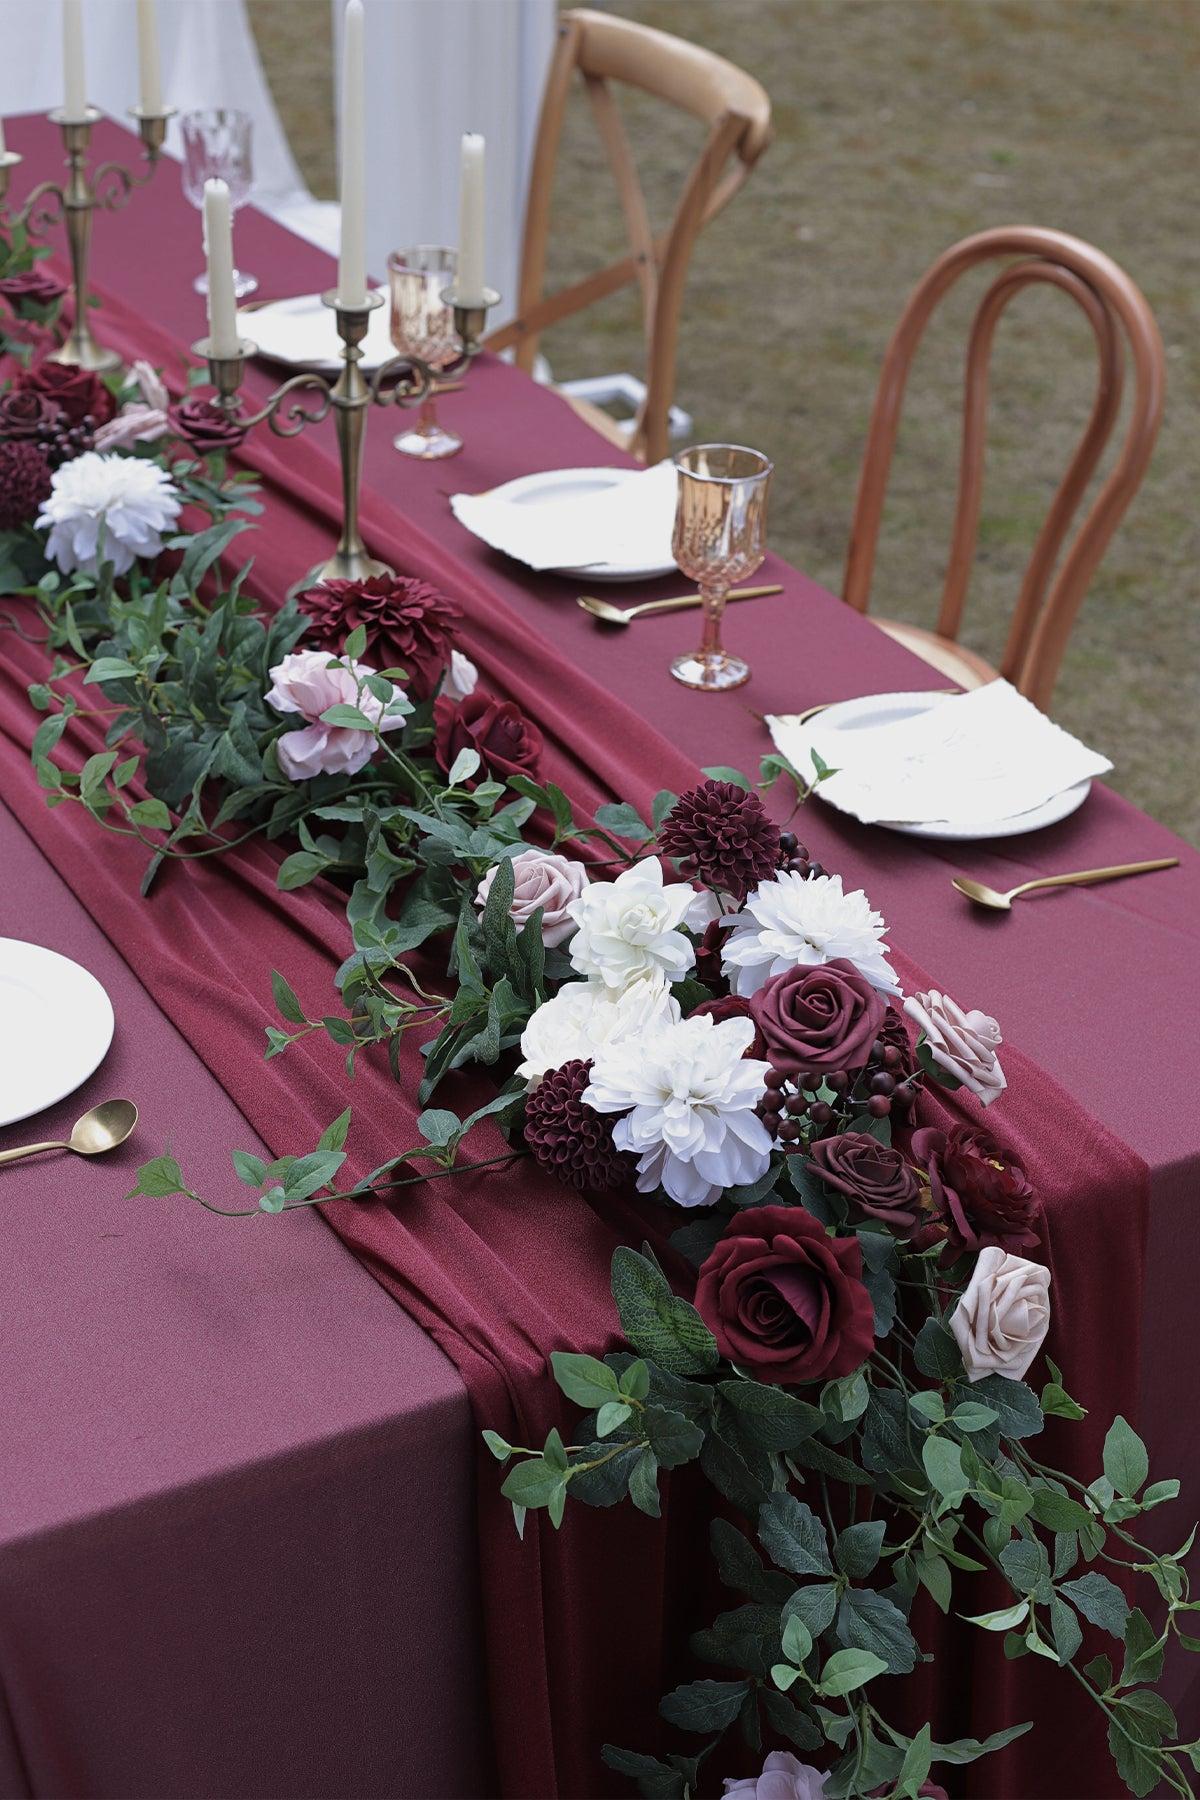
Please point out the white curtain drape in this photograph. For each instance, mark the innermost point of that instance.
(437, 68)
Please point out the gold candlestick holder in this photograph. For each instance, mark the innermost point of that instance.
(307, 398)
(8, 163)
(109, 187)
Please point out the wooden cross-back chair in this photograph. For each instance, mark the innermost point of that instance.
(737, 112)
(1048, 600)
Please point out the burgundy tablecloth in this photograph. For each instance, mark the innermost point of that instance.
(1068, 980)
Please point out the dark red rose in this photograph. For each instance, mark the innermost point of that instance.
(203, 425)
(874, 1177)
(30, 293)
(508, 742)
(733, 1007)
(819, 1019)
(980, 1194)
(24, 484)
(786, 1301)
(81, 394)
(409, 624)
(25, 416)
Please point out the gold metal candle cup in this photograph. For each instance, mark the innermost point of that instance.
(152, 129)
(719, 539)
(226, 372)
(469, 321)
(350, 397)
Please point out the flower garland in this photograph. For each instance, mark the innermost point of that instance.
(718, 1025)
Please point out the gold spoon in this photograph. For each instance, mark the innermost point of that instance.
(982, 895)
(625, 615)
(101, 1129)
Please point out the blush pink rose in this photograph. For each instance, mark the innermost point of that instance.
(303, 683)
(543, 879)
(784, 1777)
(134, 424)
(1002, 1318)
(962, 1043)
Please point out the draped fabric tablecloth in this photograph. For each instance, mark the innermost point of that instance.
(1094, 990)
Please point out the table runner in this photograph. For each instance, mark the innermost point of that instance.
(488, 1238)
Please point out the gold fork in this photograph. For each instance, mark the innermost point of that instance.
(625, 615)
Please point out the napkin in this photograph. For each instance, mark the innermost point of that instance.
(628, 524)
(968, 760)
(302, 331)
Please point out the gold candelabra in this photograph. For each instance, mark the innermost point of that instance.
(403, 380)
(74, 202)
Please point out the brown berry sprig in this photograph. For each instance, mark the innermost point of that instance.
(61, 441)
(794, 857)
(794, 1112)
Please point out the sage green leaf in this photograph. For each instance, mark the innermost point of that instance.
(286, 1004)
(704, 1705)
(943, 1465)
(643, 1484)
(531, 1483)
(867, 1620)
(151, 814)
(584, 1379)
(655, 1780)
(1068, 1638)
(1126, 1464)
(659, 1325)
(159, 1177)
(1026, 1565)
(789, 1720)
(308, 1173)
(858, 1547)
(1058, 1512)
(1143, 1650)
(500, 1448)
(918, 1760)
(1136, 1766)
(250, 1169)
(936, 1353)
(335, 1134)
(793, 1536)
(770, 1417)
(814, 1605)
(1005, 1620)
(722, 772)
(933, 1572)
(673, 1438)
(624, 821)
(611, 1416)
(1020, 1415)
(1099, 1600)
(847, 1670)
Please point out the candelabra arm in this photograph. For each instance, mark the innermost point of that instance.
(44, 208)
(412, 382)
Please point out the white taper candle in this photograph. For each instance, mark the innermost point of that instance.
(469, 285)
(218, 249)
(149, 66)
(352, 260)
(74, 81)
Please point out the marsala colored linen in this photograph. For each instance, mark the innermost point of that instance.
(582, 1631)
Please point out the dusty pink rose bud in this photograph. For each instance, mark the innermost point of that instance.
(151, 385)
(134, 424)
(303, 683)
(784, 1777)
(962, 1043)
(1002, 1319)
(542, 879)
(462, 677)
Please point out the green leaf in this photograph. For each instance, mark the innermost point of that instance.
(531, 1483)
(1058, 1512)
(936, 1354)
(250, 1169)
(334, 1136)
(655, 1780)
(298, 869)
(785, 1717)
(797, 1639)
(673, 1438)
(1005, 1620)
(933, 1572)
(352, 718)
(438, 1125)
(867, 1620)
(643, 1484)
(1068, 1637)
(95, 772)
(847, 1670)
(1099, 1600)
(943, 1465)
(308, 1173)
(704, 1705)
(159, 1177)
(969, 1416)
(1158, 1491)
(1026, 1565)
(611, 1415)
(1125, 1461)
(355, 645)
(624, 821)
(814, 1605)
(500, 1448)
(918, 1759)
(770, 1417)
(657, 1322)
(1137, 1768)
(721, 772)
(151, 814)
(1143, 1650)
(109, 668)
(1020, 1415)
(858, 1547)
(793, 1536)
(286, 1004)
(583, 1379)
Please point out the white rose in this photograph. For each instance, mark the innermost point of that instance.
(1001, 1321)
(462, 677)
(585, 1015)
(541, 879)
(630, 928)
(962, 1043)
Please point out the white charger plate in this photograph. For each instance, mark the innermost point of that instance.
(887, 709)
(300, 333)
(56, 1024)
(531, 490)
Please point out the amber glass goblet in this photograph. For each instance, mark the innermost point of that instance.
(720, 539)
(423, 325)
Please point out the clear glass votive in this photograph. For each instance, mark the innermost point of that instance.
(720, 539)
(423, 325)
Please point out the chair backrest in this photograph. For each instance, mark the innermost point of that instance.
(737, 112)
(1118, 313)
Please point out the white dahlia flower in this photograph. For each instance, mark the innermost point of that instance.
(107, 509)
(630, 928)
(798, 921)
(584, 1016)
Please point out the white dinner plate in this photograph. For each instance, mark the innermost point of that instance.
(888, 709)
(56, 1023)
(547, 484)
(300, 333)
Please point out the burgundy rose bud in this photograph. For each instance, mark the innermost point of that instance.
(409, 624)
(733, 1007)
(570, 1139)
(32, 293)
(980, 1194)
(508, 742)
(24, 484)
(26, 416)
(819, 1019)
(708, 954)
(874, 1177)
(725, 836)
(79, 393)
(784, 1300)
(203, 425)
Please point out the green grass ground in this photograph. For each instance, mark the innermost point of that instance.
(901, 126)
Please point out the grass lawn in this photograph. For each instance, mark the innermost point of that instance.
(901, 126)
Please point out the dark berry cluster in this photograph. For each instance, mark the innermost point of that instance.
(794, 857)
(792, 1111)
(60, 440)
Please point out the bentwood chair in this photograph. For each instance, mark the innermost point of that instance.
(737, 113)
(1050, 595)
